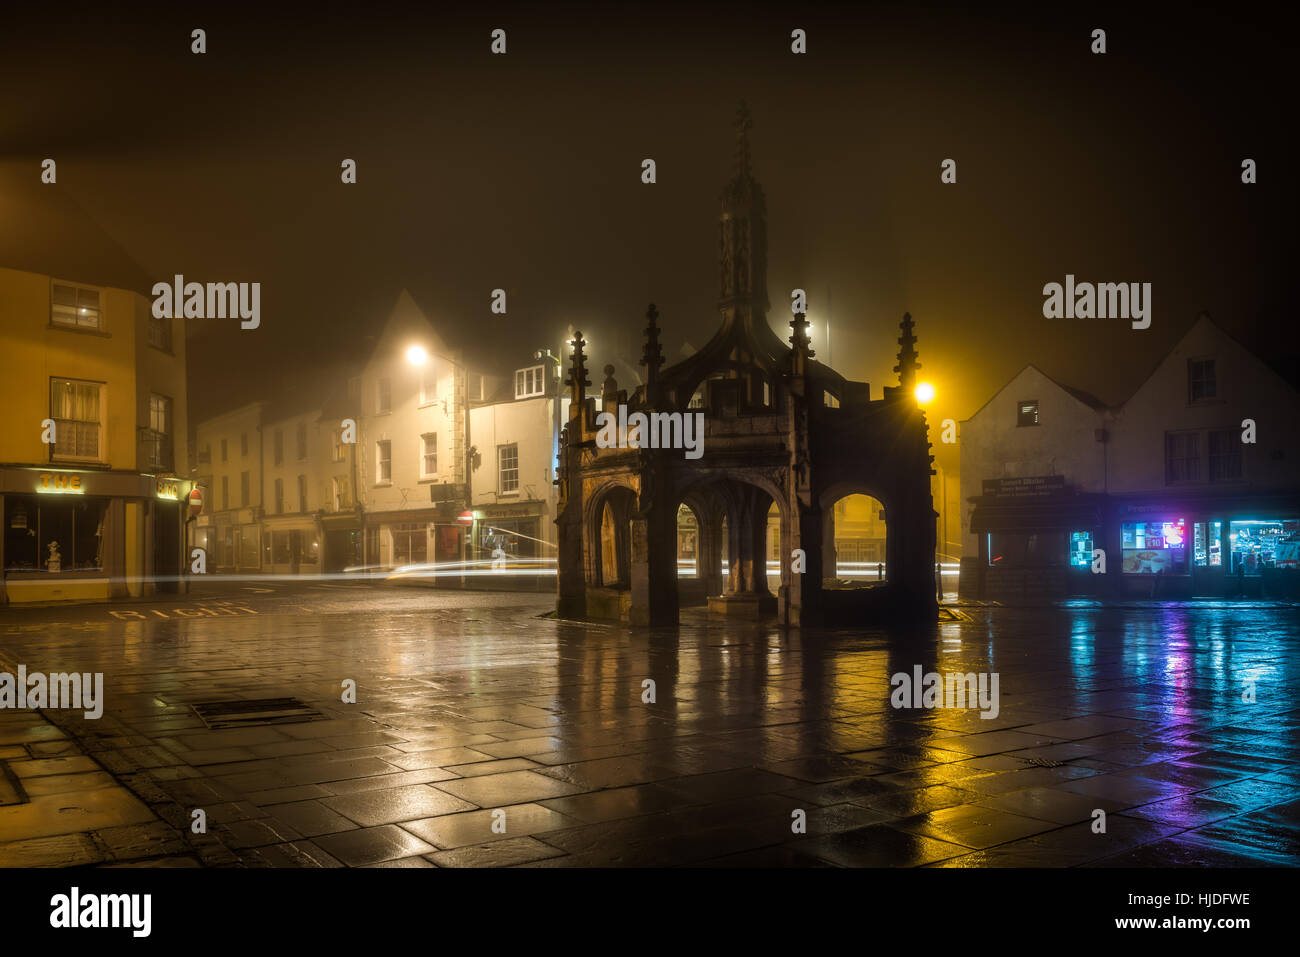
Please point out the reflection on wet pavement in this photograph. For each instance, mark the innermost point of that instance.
(486, 736)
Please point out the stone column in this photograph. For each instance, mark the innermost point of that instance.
(803, 605)
(654, 572)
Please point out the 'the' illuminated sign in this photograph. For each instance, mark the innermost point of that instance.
(60, 482)
(169, 489)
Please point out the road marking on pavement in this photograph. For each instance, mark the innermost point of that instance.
(205, 610)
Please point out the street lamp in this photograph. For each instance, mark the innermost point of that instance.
(417, 356)
(924, 392)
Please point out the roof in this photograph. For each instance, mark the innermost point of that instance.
(1087, 398)
(48, 232)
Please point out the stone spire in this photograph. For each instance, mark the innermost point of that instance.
(744, 121)
(652, 356)
(743, 235)
(577, 380)
(907, 365)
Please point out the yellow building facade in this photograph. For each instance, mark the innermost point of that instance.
(92, 444)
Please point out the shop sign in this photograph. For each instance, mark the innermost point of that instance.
(1029, 486)
(60, 483)
(169, 489)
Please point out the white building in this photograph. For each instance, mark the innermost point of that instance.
(515, 433)
(1190, 487)
(411, 444)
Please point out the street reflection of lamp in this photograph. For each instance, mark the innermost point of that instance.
(417, 356)
(924, 392)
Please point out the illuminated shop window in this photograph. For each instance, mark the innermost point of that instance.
(1081, 549)
(1256, 544)
(1153, 548)
(1207, 545)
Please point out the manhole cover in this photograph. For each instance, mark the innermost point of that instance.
(242, 714)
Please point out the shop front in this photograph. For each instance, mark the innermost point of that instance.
(513, 531)
(405, 538)
(341, 542)
(88, 535)
(1036, 540)
(291, 545)
(1246, 546)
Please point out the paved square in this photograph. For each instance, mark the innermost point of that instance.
(486, 734)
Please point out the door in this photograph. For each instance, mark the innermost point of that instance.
(166, 546)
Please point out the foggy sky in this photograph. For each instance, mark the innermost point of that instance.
(523, 172)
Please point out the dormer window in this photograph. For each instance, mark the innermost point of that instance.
(529, 382)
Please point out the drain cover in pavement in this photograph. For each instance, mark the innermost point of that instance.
(245, 713)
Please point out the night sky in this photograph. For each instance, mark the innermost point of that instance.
(523, 172)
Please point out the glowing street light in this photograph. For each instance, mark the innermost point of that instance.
(416, 355)
(924, 392)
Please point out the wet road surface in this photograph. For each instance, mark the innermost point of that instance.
(485, 735)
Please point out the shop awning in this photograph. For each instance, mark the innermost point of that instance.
(1029, 517)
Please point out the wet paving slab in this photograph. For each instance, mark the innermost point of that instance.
(484, 735)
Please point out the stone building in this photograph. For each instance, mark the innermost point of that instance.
(781, 432)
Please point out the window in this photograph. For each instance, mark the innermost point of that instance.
(302, 493)
(243, 489)
(1023, 550)
(205, 454)
(508, 467)
(1081, 549)
(529, 382)
(1207, 550)
(1257, 544)
(75, 409)
(1027, 412)
(1154, 548)
(410, 543)
(158, 437)
(1225, 455)
(1200, 380)
(429, 463)
(384, 395)
(384, 461)
(337, 448)
(428, 384)
(279, 496)
(302, 441)
(225, 491)
(224, 456)
(342, 495)
(279, 446)
(160, 333)
(1182, 457)
(73, 526)
(74, 307)
(243, 444)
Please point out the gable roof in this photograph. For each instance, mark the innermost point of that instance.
(1204, 322)
(1079, 395)
(48, 232)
